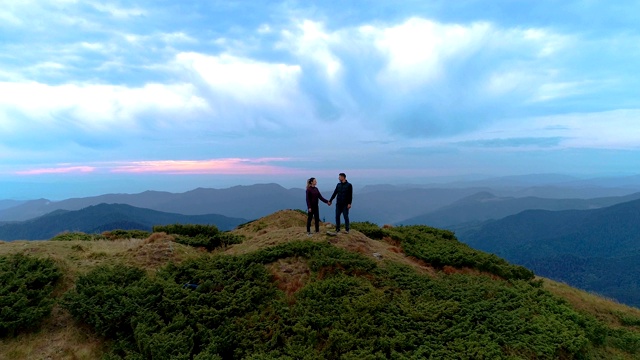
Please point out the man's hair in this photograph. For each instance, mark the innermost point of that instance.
(343, 175)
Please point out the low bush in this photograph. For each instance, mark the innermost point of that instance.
(26, 284)
(77, 236)
(224, 307)
(369, 229)
(440, 248)
(206, 236)
(109, 296)
(191, 230)
(119, 234)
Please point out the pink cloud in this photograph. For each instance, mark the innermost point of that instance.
(58, 170)
(232, 166)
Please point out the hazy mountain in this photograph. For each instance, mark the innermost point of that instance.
(239, 201)
(104, 217)
(250, 202)
(555, 186)
(485, 206)
(391, 206)
(574, 246)
(6, 204)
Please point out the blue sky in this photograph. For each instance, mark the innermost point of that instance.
(123, 96)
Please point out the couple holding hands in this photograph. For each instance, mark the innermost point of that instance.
(344, 194)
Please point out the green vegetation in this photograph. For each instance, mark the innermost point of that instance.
(26, 284)
(313, 299)
(206, 236)
(76, 236)
(229, 307)
(125, 234)
(440, 248)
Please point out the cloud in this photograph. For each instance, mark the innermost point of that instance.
(360, 87)
(245, 94)
(118, 12)
(57, 170)
(616, 129)
(28, 109)
(421, 78)
(215, 166)
(529, 142)
(223, 166)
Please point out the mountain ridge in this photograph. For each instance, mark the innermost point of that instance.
(570, 239)
(105, 217)
(484, 206)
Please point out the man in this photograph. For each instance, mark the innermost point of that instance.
(344, 192)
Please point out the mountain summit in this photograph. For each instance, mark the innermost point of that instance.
(270, 291)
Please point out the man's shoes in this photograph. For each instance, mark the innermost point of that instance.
(309, 234)
(346, 232)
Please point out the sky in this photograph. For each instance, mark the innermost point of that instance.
(125, 96)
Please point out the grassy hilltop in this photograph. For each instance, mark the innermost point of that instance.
(265, 290)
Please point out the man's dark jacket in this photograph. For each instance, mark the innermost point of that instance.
(344, 191)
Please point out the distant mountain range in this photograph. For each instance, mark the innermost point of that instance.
(254, 201)
(485, 206)
(6, 204)
(597, 250)
(105, 217)
(381, 204)
(247, 202)
(583, 237)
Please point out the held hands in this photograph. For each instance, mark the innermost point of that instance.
(309, 209)
(349, 206)
(329, 203)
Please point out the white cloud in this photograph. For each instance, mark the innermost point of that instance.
(419, 50)
(118, 12)
(9, 18)
(313, 42)
(246, 88)
(37, 107)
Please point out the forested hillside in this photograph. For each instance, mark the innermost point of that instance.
(595, 250)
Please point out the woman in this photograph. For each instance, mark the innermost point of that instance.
(313, 195)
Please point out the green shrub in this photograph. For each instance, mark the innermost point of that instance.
(206, 236)
(369, 229)
(77, 236)
(26, 284)
(125, 234)
(440, 248)
(191, 230)
(109, 296)
(227, 307)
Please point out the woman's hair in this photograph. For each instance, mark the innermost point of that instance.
(310, 181)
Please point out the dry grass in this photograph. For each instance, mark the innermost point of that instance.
(158, 250)
(60, 337)
(290, 274)
(288, 225)
(608, 311)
